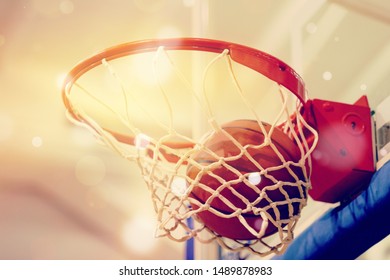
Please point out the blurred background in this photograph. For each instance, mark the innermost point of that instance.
(62, 195)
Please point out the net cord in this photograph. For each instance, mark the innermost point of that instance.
(173, 209)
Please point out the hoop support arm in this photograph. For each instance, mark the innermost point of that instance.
(343, 161)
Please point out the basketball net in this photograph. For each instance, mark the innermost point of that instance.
(164, 159)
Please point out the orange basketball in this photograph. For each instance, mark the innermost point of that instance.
(226, 165)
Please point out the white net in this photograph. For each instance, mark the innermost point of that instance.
(244, 182)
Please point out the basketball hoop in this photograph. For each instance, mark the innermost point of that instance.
(245, 182)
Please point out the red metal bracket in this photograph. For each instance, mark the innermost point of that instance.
(343, 161)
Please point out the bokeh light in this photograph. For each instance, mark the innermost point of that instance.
(7, 126)
(179, 186)
(327, 76)
(254, 178)
(138, 234)
(37, 141)
(66, 7)
(311, 28)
